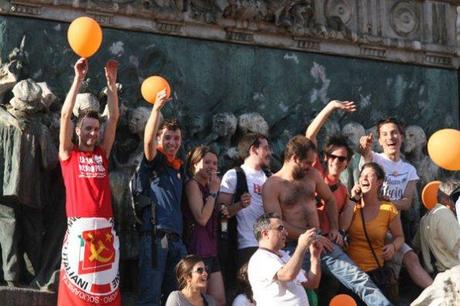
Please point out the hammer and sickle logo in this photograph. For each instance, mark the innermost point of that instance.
(96, 252)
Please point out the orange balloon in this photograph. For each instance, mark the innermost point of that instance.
(444, 149)
(342, 300)
(430, 193)
(84, 36)
(152, 85)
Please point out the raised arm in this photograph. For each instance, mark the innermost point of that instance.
(111, 69)
(151, 128)
(66, 129)
(365, 147)
(348, 211)
(320, 119)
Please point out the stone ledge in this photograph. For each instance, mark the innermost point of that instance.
(26, 297)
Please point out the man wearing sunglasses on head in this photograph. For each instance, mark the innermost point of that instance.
(276, 278)
(337, 154)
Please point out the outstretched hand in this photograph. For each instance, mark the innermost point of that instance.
(81, 68)
(365, 144)
(348, 106)
(111, 70)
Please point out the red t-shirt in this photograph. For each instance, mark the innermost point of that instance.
(86, 179)
(340, 194)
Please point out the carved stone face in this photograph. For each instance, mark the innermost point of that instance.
(353, 131)
(85, 101)
(138, 118)
(27, 95)
(224, 124)
(196, 124)
(415, 138)
(253, 123)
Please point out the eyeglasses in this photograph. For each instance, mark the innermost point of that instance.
(279, 228)
(200, 270)
(340, 158)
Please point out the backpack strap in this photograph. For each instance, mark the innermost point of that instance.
(241, 184)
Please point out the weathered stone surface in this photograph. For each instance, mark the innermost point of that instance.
(85, 101)
(27, 96)
(253, 123)
(7, 78)
(287, 88)
(48, 97)
(23, 296)
(408, 31)
(27, 91)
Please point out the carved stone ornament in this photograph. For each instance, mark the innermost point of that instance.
(404, 18)
(339, 8)
(390, 30)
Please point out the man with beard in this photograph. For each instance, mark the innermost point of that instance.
(254, 149)
(291, 193)
(90, 256)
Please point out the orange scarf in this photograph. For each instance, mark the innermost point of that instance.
(171, 160)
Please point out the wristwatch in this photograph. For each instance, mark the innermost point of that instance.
(213, 194)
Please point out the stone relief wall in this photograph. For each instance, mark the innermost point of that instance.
(221, 91)
(408, 31)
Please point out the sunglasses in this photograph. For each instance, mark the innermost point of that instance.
(200, 270)
(340, 158)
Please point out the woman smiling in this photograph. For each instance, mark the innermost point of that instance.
(192, 279)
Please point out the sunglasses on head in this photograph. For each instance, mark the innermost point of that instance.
(340, 158)
(200, 270)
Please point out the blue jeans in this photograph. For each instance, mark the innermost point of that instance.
(156, 284)
(345, 271)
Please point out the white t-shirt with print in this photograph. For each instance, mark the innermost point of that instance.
(246, 217)
(268, 291)
(397, 175)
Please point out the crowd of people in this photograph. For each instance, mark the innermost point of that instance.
(253, 237)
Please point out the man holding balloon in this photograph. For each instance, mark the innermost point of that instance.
(157, 189)
(89, 269)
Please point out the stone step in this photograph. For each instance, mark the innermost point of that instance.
(10, 296)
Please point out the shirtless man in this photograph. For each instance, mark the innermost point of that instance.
(291, 193)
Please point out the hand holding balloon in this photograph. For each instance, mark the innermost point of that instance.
(161, 99)
(155, 89)
(81, 68)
